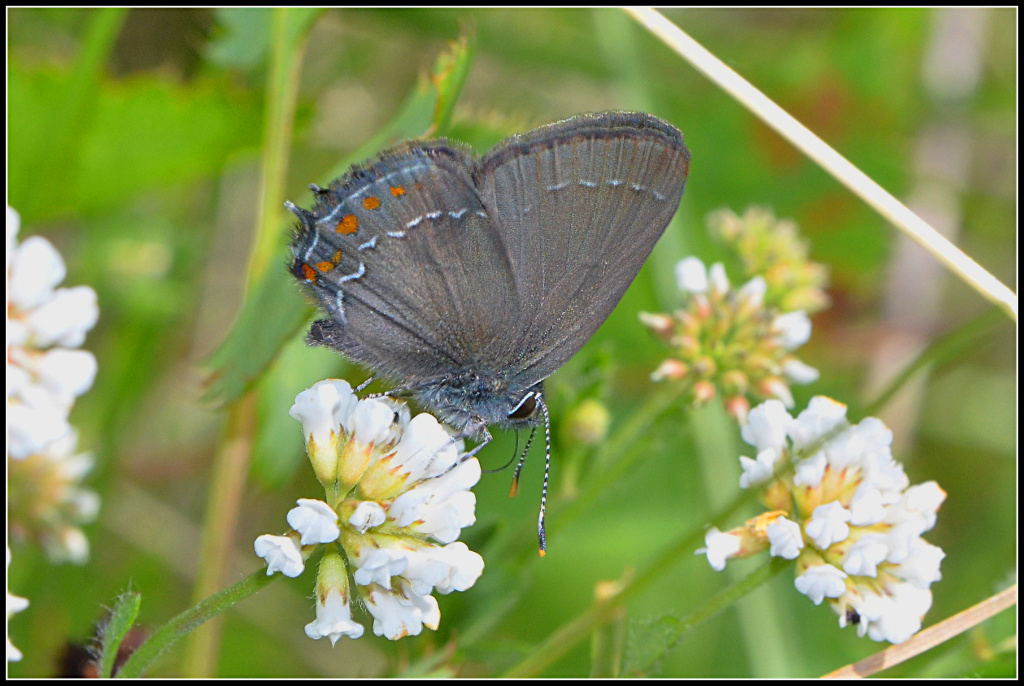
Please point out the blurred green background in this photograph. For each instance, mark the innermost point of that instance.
(134, 145)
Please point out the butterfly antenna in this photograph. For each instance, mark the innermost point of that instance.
(510, 460)
(519, 467)
(541, 533)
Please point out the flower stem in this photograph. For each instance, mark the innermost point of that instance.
(941, 350)
(169, 634)
(569, 634)
(290, 28)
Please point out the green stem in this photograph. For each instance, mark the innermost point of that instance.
(569, 634)
(232, 459)
(941, 351)
(169, 634)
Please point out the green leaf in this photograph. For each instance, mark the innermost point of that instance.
(143, 133)
(277, 450)
(120, 622)
(271, 315)
(243, 39)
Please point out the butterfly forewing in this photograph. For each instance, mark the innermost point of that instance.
(404, 258)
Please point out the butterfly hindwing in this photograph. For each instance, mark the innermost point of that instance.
(579, 205)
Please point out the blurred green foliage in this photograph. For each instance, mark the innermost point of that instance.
(134, 145)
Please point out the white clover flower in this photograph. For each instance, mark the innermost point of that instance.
(845, 513)
(767, 425)
(752, 292)
(281, 553)
(792, 329)
(47, 503)
(368, 514)
(315, 520)
(15, 604)
(719, 281)
(333, 620)
(798, 372)
(820, 582)
(760, 470)
(396, 499)
(44, 376)
(720, 547)
(828, 524)
(692, 275)
(333, 611)
(785, 539)
(401, 613)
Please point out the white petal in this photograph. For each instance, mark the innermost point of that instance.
(35, 270)
(866, 507)
(820, 582)
(13, 225)
(767, 425)
(753, 291)
(317, 408)
(66, 372)
(719, 281)
(811, 471)
(426, 449)
(31, 427)
(439, 507)
(720, 548)
(821, 417)
(691, 275)
(798, 372)
(865, 555)
(757, 472)
(828, 524)
(921, 565)
(401, 612)
(900, 613)
(281, 554)
(792, 329)
(368, 514)
(370, 421)
(785, 538)
(315, 520)
(65, 318)
(377, 565)
(333, 620)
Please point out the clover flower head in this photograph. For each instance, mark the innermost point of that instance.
(731, 342)
(47, 503)
(843, 509)
(774, 249)
(396, 498)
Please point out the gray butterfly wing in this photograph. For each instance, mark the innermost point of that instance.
(403, 256)
(579, 205)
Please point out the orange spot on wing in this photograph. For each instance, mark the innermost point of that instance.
(371, 202)
(348, 224)
(325, 266)
(397, 191)
(337, 257)
(309, 273)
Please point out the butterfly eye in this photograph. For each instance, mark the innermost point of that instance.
(525, 409)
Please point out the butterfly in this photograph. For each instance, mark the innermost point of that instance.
(469, 280)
